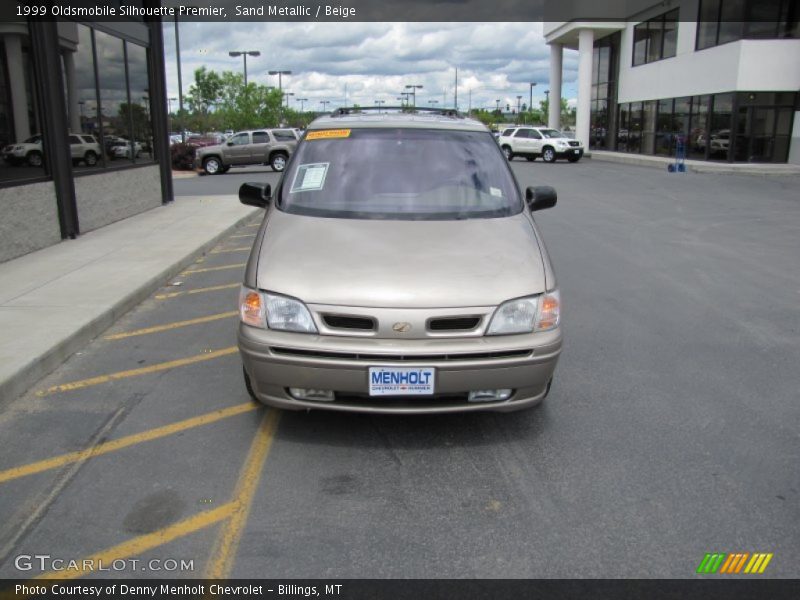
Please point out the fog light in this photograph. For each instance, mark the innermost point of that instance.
(489, 395)
(305, 394)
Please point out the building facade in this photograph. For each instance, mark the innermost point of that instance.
(716, 80)
(83, 128)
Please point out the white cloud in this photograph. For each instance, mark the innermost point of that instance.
(376, 60)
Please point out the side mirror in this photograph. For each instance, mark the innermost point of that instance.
(540, 197)
(229, 144)
(255, 194)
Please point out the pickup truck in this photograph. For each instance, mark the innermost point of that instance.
(271, 147)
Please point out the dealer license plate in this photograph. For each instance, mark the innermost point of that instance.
(401, 381)
(577, 151)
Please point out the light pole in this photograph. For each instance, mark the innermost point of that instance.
(280, 74)
(324, 104)
(530, 99)
(547, 101)
(286, 97)
(404, 98)
(244, 54)
(180, 81)
(432, 102)
(302, 102)
(414, 89)
(380, 102)
(518, 99)
(497, 108)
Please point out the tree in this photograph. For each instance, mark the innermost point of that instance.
(203, 95)
(136, 114)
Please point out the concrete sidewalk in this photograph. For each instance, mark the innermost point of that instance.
(55, 300)
(696, 166)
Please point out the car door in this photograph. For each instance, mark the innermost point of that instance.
(259, 149)
(521, 143)
(535, 141)
(237, 149)
(75, 146)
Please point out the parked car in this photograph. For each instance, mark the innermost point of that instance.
(533, 142)
(84, 148)
(399, 269)
(28, 152)
(123, 150)
(263, 146)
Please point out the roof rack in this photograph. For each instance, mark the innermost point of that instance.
(446, 112)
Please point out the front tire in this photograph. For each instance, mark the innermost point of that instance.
(90, 158)
(34, 158)
(278, 162)
(212, 165)
(508, 153)
(549, 155)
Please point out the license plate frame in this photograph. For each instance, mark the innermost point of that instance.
(384, 380)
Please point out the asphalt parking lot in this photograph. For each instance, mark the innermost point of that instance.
(671, 429)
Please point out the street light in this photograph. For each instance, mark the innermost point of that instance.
(244, 54)
(547, 103)
(497, 108)
(280, 74)
(432, 102)
(404, 99)
(286, 97)
(324, 104)
(302, 102)
(530, 100)
(380, 102)
(414, 89)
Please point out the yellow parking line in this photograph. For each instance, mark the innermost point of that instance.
(243, 235)
(125, 442)
(146, 542)
(253, 225)
(221, 561)
(207, 269)
(174, 325)
(202, 290)
(84, 383)
(226, 250)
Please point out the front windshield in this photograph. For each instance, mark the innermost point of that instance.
(402, 173)
(33, 140)
(551, 133)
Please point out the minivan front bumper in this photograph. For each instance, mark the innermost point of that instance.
(276, 361)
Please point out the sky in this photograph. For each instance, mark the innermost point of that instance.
(375, 61)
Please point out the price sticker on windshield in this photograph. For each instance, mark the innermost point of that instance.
(310, 177)
(327, 134)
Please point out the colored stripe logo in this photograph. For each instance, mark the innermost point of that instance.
(734, 563)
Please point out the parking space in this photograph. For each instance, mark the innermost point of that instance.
(671, 429)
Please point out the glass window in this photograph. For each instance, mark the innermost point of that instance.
(655, 32)
(708, 23)
(284, 135)
(622, 127)
(112, 118)
(664, 135)
(522, 133)
(698, 129)
(648, 126)
(260, 137)
(635, 128)
(240, 139)
(534, 135)
(20, 140)
(731, 25)
(457, 175)
(74, 139)
(720, 127)
(640, 44)
(670, 34)
(138, 111)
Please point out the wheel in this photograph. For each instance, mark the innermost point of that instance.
(548, 154)
(249, 385)
(212, 165)
(574, 158)
(90, 158)
(34, 158)
(278, 162)
(508, 153)
(530, 158)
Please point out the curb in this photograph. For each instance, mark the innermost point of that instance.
(696, 167)
(23, 380)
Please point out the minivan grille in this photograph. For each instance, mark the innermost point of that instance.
(454, 323)
(400, 357)
(348, 322)
(574, 143)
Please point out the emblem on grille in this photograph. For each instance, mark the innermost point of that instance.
(401, 327)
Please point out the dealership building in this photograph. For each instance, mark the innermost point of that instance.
(716, 79)
(83, 128)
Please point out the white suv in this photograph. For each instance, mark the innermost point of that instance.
(532, 142)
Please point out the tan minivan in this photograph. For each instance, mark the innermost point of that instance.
(398, 269)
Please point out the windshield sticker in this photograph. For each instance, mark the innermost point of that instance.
(309, 178)
(496, 192)
(327, 134)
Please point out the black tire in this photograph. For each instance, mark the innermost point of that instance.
(508, 153)
(574, 158)
(34, 158)
(225, 169)
(90, 158)
(548, 154)
(278, 161)
(530, 158)
(212, 165)
(248, 385)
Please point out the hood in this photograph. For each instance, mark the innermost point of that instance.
(400, 264)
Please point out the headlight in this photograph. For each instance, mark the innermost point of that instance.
(525, 315)
(281, 313)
